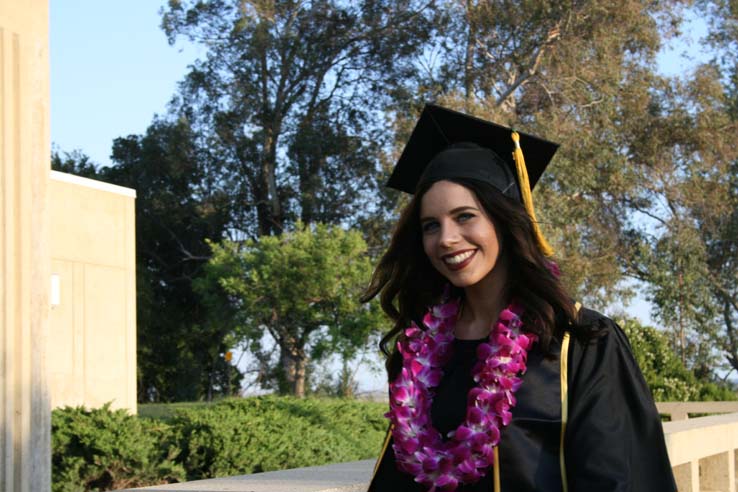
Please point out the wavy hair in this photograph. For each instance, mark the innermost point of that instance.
(407, 282)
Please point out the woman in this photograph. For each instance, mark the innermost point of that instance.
(499, 381)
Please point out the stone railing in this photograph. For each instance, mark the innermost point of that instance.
(680, 410)
(701, 450)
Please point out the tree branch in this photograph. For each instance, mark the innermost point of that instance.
(522, 78)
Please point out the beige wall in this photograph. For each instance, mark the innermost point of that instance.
(25, 458)
(92, 339)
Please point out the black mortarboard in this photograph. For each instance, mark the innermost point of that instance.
(448, 144)
(435, 148)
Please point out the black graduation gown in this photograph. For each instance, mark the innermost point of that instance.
(613, 441)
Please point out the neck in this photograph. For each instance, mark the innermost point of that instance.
(483, 302)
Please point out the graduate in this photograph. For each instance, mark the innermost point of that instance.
(499, 381)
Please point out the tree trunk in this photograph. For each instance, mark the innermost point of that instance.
(268, 205)
(299, 383)
(293, 363)
(469, 58)
(732, 351)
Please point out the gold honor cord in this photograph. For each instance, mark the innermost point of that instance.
(496, 469)
(564, 405)
(527, 195)
(384, 450)
(565, 400)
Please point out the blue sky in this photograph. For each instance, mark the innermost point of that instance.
(112, 70)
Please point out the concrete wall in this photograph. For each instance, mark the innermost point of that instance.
(92, 338)
(25, 458)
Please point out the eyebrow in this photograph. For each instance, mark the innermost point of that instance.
(451, 212)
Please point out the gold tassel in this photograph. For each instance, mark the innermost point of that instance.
(527, 195)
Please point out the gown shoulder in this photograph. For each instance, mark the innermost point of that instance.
(613, 438)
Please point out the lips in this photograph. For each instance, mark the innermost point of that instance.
(459, 259)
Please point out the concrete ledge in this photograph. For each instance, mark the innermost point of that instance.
(694, 439)
(680, 410)
(340, 477)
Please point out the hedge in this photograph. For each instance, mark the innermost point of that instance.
(103, 449)
(96, 450)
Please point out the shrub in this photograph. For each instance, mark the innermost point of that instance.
(258, 434)
(103, 449)
(668, 379)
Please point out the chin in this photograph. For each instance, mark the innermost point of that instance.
(462, 282)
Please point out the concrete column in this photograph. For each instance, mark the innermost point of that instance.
(717, 473)
(687, 477)
(25, 464)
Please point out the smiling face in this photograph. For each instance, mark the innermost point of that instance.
(459, 238)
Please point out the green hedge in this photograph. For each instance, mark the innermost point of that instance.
(103, 449)
(270, 433)
(95, 450)
(664, 372)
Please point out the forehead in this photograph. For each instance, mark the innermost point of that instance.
(445, 196)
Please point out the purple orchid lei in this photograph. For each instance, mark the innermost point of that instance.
(465, 457)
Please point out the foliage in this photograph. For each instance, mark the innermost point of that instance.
(284, 100)
(267, 129)
(270, 433)
(102, 449)
(166, 411)
(75, 162)
(685, 248)
(664, 372)
(300, 287)
(180, 343)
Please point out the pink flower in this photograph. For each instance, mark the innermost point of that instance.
(412, 332)
(446, 311)
(419, 448)
(553, 267)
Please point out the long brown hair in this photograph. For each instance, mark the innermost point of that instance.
(407, 282)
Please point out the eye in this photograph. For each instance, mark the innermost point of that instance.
(464, 216)
(429, 226)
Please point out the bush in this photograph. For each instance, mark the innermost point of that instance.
(668, 379)
(270, 433)
(103, 449)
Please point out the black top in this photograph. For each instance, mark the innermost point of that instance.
(614, 440)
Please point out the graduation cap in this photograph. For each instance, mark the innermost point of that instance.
(448, 144)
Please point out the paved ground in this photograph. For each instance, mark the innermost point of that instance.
(341, 477)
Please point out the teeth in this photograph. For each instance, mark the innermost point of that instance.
(455, 260)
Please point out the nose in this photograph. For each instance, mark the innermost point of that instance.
(449, 235)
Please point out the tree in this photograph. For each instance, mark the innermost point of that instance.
(302, 289)
(686, 163)
(180, 343)
(284, 110)
(75, 162)
(665, 374)
(286, 96)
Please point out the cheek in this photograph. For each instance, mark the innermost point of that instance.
(428, 246)
(491, 241)
(497, 245)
